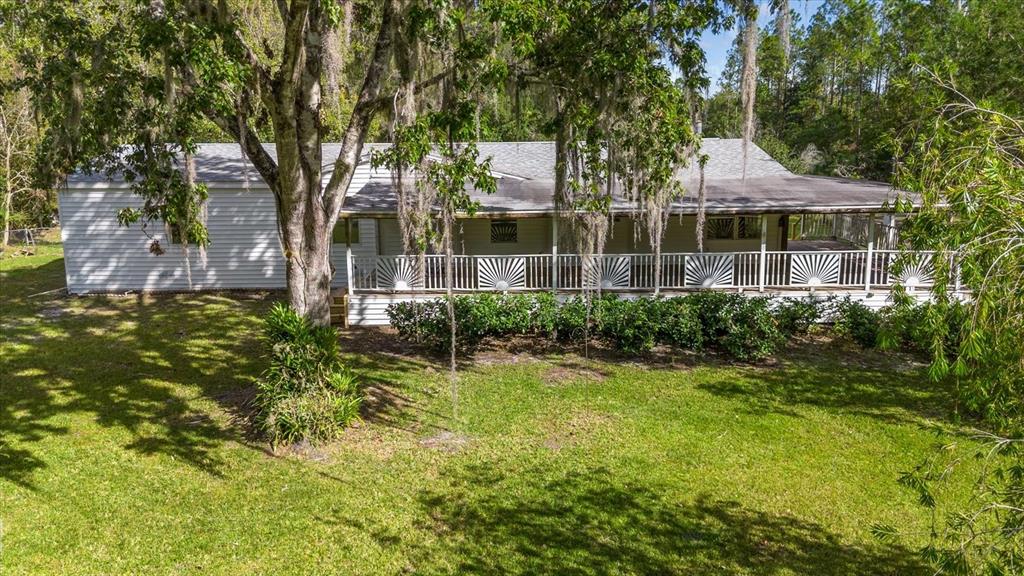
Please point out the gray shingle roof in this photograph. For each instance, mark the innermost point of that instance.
(530, 160)
(526, 181)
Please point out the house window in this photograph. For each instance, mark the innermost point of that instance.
(732, 228)
(748, 227)
(340, 234)
(504, 231)
(719, 228)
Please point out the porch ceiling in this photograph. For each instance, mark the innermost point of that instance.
(776, 194)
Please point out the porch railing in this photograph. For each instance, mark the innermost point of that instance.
(856, 229)
(862, 269)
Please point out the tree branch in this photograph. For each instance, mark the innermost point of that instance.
(387, 99)
(238, 127)
(207, 13)
(251, 146)
(362, 114)
(292, 58)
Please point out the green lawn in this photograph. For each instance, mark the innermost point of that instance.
(124, 450)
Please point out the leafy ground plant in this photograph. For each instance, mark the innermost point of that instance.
(306, 393)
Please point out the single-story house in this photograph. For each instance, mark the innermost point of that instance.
(767, 231)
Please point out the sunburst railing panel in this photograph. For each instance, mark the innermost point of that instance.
(638, 272)
(709, 270)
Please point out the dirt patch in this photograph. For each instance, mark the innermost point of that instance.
(51, 313)
(302, 449)
(446, 441)
(496, 356)
(373, 441)
(570, 374)
(574, 429)
(374, 340)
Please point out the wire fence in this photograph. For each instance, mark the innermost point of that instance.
(26, 240)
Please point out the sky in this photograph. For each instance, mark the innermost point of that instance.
(716, 46)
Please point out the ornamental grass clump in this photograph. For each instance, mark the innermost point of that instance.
(306, 394)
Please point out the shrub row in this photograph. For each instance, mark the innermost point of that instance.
(903, 325)
(306, 393)
(742, 327)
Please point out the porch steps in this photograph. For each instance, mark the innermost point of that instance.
(339, 310)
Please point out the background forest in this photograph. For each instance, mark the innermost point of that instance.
(863, 74)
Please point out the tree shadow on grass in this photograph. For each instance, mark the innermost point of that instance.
(136, 363)
(383, 363)
(881, 385)
(592, 522)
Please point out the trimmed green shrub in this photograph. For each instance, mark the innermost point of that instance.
(306, 393)
(752, 332)
(476, 316)
(627, 324)
(739, 326)
(923, 327)
(544, 314)
(796, 316)
(677, 323)
(419, 321)
(857, 322)
(571, 319)
(742, 327)
(712, 309)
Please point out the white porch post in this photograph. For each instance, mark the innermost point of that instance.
(870, 253)
(889, 222)
(554, 253)
(764, 254)
(349, 277)
(835, 226)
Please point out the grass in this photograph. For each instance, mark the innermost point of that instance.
(124, 449)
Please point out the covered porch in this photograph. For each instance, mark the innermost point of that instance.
(803, 252)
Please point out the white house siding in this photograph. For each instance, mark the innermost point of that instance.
(532, 237)
(101, 256)
(244, 251)
(680, 236)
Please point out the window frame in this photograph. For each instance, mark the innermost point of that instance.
(514, 222)
(340, 233)
(751, 224)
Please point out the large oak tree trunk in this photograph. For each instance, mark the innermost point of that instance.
(306, 224)
(306, 239)
(309, 283)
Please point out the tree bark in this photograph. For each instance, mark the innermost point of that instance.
(306, 209)
(306, 239)
(8, 198)
(7, 218)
